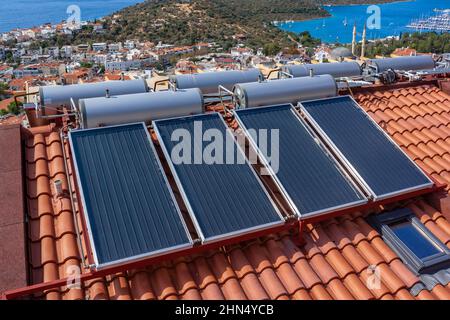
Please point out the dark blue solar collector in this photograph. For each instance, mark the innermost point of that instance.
(368, 152)
(128, 205)
(224, 196)
(309, 178)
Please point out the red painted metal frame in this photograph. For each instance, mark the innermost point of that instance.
(93, 274)
(293, 225)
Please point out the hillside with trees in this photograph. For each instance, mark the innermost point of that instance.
(191, 21)
(427, 42)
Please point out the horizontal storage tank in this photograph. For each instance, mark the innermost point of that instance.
(209, 82)
(402, 63)
(57, 96)
(96, 112)
(337, 70)
(292, 90)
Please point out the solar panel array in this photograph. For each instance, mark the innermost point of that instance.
(335, 158)
(309, 177)
(224, 199)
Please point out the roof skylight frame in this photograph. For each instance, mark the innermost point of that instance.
(433, 263)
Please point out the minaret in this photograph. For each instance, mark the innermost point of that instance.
(354, 40)
(363, 45)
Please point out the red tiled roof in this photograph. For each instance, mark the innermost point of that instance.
(334, 262)
(12, 120)
(404, 52)
(116, 77)
(5, 103)
(19, 83)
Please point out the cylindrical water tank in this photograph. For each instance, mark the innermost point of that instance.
(57, 96)
(209, 82)
(293, 90)
(409, 63)
(95, 112)
(337, 70)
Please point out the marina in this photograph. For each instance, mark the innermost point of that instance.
(419, 15)
(439, 22)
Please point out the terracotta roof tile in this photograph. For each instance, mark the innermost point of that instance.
(336, 261)
(441, 292)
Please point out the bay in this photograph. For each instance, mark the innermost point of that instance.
(394, 18)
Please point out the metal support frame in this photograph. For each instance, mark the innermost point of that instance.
(64, 138)
(23, 95)
(222, 89)
(93, 274)
(287, 74)
(272, 71)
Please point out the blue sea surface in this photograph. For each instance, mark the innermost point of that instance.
(29, 13)
(395, 17)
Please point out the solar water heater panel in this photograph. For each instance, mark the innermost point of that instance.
(225, 196)
(375, 160)
(310, 179)
(128, 205)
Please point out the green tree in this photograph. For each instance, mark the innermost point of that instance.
(14, 108)
(85, 64)
(3, 88)
(271, 49)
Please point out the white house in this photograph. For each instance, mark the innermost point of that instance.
(66, 52)
(129, 44)
(53, 52)
(125, 65)
(99, 46)
(100, 58)
(321, 55)
(115, 47)
(48, 32)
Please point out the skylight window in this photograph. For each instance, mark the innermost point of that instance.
(415, 239)
(412, 241)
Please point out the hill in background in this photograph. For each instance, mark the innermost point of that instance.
(190, 22)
